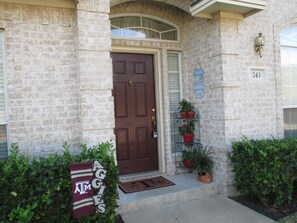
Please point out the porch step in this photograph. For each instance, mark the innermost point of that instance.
(186, 188)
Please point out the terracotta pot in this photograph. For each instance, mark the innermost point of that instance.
(188, 138)
(188, 163)
(205, 178)
(191, 114)
(183, 114)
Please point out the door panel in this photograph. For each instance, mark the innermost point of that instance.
(121, 100)
(134, 95)
(122, 141)
(142, 142)
(141, 102)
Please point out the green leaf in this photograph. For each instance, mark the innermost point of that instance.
(13, 193)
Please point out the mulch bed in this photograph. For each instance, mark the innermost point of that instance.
(271, 212)
(119, 219)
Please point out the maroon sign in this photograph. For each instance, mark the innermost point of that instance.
(87, 188)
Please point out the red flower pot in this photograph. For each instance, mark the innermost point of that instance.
(188, 138)
(188, 163)
(191, 114)
(183, 114)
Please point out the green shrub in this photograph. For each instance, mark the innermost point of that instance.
(40, 189)
(265, 169)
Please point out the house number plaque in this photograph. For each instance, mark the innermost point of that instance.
(257, 74)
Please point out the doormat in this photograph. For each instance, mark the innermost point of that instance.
(145, 184)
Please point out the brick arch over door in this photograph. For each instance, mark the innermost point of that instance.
(182, 4)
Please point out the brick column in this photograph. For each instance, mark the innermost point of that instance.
(95, 69)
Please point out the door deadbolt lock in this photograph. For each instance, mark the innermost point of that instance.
(155, 134)
(154, 120)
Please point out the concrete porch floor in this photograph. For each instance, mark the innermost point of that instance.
(186, 187)
(189, 201)
(211, 209)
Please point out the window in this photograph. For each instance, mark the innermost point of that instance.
(288, 40)
(140, 27)
(3, 124)
(175, 92)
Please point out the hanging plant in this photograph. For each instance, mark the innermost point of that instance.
(186, 128)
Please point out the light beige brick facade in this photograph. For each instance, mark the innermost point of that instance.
(59, 74)
(41, 74)
(59, 77)
(95, 71)
(234, 103)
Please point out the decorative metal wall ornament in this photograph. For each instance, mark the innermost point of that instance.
(198, 81)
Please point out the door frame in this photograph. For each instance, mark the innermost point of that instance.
(158, 95)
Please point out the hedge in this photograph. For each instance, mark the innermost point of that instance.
(265, 169)
(40, 190)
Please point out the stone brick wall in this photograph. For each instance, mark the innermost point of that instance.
(235, 104)
(259, 112)
(95, 68)
(59, 74)
(42, 79)
(203, 44)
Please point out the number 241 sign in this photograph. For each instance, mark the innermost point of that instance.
(257, 74)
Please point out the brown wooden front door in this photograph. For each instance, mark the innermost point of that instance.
(134, 95)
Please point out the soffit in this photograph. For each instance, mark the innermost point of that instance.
(226, 8)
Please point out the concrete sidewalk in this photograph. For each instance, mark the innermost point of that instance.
(211, 209)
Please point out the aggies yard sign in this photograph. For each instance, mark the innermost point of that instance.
(87, 188)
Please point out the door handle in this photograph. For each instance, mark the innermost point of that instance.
(130, 83)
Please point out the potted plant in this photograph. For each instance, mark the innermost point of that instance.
(186, 109)
(187, 157)
(190, 110)
(186, 130)
(203, 163)
(183, 108)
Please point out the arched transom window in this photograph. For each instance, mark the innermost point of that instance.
(288, 41)
(141, 27)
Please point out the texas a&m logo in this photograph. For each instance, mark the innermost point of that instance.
(82, 187)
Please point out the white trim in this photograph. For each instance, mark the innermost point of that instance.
(2, 32)
(159, 105)
(81, 175)
(150, 17)
(70, 4)
(158, 94)
(180, 75)
(81, 171)
(289, 107)
(82, 201)
(143, 39)
(83, 205)
(288, 46)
